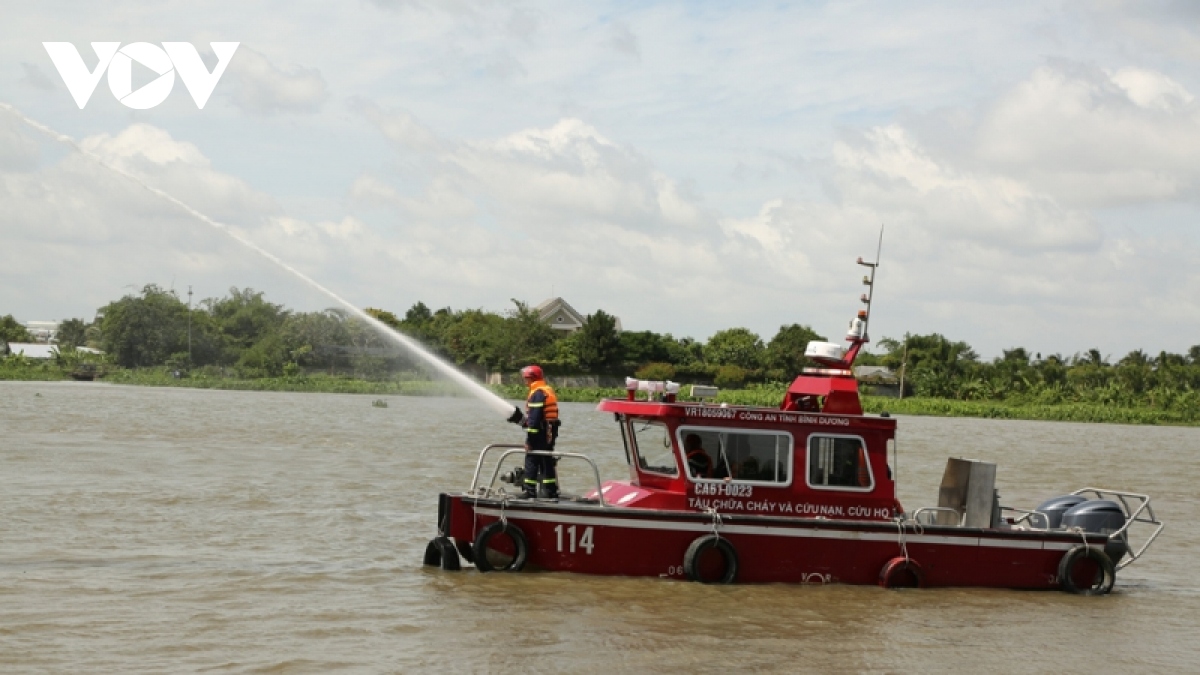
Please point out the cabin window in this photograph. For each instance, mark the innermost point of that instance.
(652, 444)
(742, 455)
(838, 462)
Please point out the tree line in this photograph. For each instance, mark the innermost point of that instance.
(253, 337)
(248, 336)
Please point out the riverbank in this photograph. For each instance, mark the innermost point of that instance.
(762, 395)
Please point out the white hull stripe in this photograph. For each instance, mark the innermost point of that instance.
(769, 531)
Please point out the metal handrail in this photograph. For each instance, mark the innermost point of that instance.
(479, 462)
(916, 515)
(1142, 513)
(1027, 515)
(511, 449)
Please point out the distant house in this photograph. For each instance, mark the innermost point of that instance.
(32, 350)
(560, 315)
(43, 331)
(878, 380)
(880, 374)
(37, 350)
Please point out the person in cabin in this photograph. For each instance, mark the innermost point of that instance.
(541, 432)
(698, 460)
(748, 470)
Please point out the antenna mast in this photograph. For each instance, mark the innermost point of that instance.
(869, 282)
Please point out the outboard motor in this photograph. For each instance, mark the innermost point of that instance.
(1101, 516)
(1054, 509)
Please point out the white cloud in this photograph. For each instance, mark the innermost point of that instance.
(18, 152)
(1151, 89)
(890, 171)
(180, 169)
(1096, 139)
(258, 86)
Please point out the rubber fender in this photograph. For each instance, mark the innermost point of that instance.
(440, 552)
(465, 550)
(519, 542)
(1068, 568)
(691, 559)
(433, 553)
(450, 561)
(902, 572)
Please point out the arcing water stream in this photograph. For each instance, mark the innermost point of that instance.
(436, 364)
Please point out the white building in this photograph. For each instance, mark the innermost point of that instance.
(38, 350)
(560, 315)
(42, 331)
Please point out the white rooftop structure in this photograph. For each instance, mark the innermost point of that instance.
(561, 316)
(39, 350)
(42, 331)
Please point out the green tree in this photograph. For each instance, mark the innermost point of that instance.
(735, 347)
(785, 351)
(316, 338)
(730, 377)
(473, 336)
(936, 366)
(655, 371)
(243, 319)
(599, 344)
(683, 351)
(644, 347)
(526, 337)
(151, 329)
(267, 357)
(384, 317)
(72, 333)
(11, 330)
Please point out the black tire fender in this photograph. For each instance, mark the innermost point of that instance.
(1105, 579)
(520, 543)
(440, 552)
(900, 572)
(691, 558)
(465, 550)
(433, 553)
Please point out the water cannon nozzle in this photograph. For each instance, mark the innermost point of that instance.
(517, 416)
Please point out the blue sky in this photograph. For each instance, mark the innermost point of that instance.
(686, 166)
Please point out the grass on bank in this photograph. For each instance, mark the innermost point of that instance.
(758, 395)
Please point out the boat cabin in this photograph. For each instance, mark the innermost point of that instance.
(699, 456)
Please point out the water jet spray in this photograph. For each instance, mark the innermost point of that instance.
(438, 365)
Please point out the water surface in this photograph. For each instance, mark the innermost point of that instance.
(179, 530)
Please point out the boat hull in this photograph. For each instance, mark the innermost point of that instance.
(592, 539)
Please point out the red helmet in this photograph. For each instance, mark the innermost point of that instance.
(533, 372)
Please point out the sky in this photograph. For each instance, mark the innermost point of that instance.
(686, 166)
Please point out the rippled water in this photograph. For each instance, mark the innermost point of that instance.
(165, 530)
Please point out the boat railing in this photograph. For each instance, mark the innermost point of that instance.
(934, 511)
(1033, 520)
(1137, 510)
(1026, 518)
(512, 449)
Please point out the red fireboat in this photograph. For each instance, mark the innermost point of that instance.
(802, 493)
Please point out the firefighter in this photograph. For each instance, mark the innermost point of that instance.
(698, 460)
(541, 431)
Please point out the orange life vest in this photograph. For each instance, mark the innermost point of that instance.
(550, 407)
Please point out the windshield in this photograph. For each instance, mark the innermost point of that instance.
(652, 443)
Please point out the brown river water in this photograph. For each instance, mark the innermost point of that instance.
(178, 530)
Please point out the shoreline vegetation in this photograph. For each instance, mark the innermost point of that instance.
(767, 395)
(242, 341)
